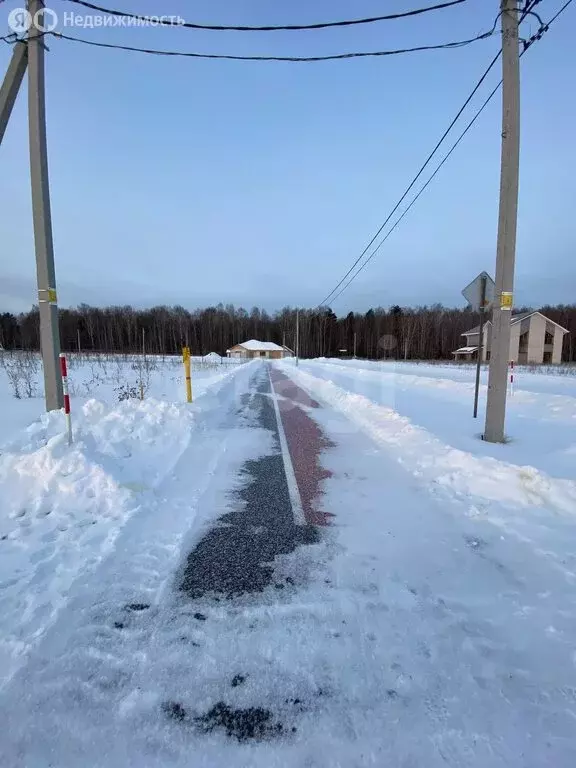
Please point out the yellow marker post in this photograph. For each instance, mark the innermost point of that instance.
(186, 360)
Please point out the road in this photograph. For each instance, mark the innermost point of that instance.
(326, 608)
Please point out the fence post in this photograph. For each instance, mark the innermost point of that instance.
(64, 374)
(186, 361)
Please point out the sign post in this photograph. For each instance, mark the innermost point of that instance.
(480, 343)
(479, 294)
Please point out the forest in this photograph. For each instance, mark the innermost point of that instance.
(420, 333)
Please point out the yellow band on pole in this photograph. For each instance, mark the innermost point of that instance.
(186, 360)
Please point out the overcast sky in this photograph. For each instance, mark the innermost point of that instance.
(195, 182)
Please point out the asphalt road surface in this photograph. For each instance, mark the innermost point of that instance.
(235, 556)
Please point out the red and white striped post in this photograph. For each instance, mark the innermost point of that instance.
(511, 377)
(64, 373)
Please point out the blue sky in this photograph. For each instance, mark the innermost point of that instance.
(194, 182)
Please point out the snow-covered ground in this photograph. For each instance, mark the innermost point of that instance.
(541, 412)
(104, 377)
(61, 507)
(527, 485)
(432, 624)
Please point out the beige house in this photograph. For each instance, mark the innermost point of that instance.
(265, 349)
(534, 338)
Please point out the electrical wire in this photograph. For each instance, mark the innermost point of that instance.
(415, 179)
(229, 57)
(552, 20)
(330, 297)
(545, 27)
(530, 4)
(288, 27)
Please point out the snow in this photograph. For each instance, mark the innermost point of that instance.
(541, 414)
(434, 624)
(483, 478)
(490, 482)
(104, 377)
(63, 507)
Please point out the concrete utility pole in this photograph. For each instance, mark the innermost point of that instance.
(11, 84)
(506, 248)
(47, 297)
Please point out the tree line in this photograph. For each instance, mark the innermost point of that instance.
(420, 333)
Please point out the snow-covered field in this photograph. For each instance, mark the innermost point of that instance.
(433, 624)
(108, 378)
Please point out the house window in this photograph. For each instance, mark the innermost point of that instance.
(488, 356)
(523, 342)
(547, 357)
(262, 354)
(548, 338)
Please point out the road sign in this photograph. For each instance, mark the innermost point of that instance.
(473, 292)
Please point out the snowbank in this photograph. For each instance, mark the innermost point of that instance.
(462, 473)
(557, 379)
(62, 507)
(540, 425)
(107, 378)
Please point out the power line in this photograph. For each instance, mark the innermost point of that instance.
(330, 297)
(288, 27)
(553, 19)
(415, 179)
(527, 45)
(229, 57)
(415, 198)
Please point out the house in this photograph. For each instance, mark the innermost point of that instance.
(253, 348)
(534, 338)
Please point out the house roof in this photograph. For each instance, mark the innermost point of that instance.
(476, 329)
(260, 346)
(524, 315)
(464, 350)
(516, 319)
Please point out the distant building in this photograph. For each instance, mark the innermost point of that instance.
(534, 338)
(212, 357)
(256, 349)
